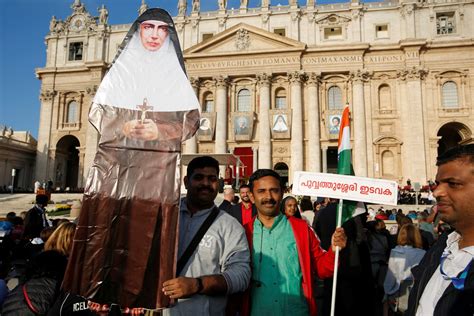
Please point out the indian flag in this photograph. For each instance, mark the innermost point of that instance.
(344, 164)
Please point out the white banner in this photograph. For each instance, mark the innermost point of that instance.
(338, 186)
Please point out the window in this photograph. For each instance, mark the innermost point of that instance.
(385, 97)
(72, 112)
(206, 36)
(75, 51)
(243, 101)
(445, 23)
(450, 95)
(280, 99)
(381, 31)
(280, 32)
(334, 98)
(333, 33)
(208, 103)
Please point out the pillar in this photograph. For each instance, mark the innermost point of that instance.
(314, 137)
(47, 98)
(265, 154)
(221, 120)
(191, 144)
(296, 79)
(325, 159)
(360, 127)
(414, 153)
(255, 159)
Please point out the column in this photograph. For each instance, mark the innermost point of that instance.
(80, 172)
(360, 129)
(191, 144)
(414, 133)
(325, 159)
(296, 79)
(47, 98)
(314, 137)
(220, 146)
(265, 154)
(255, 159)
(92, 142)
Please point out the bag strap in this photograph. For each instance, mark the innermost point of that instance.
(196, 240)
(28, 301)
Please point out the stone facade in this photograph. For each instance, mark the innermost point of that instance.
(18, 152)
(273, 79)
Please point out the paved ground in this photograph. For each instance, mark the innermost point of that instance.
(20, 202)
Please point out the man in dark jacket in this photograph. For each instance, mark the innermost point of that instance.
(35, 219)
(444, 279)
(245, 210)
(355, 290)
(229, 195)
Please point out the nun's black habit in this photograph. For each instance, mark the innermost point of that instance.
(126, 239)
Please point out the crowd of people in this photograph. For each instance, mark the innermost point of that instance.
(33, 259)
(273, 253)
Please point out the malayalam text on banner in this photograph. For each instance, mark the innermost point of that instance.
(345, 187)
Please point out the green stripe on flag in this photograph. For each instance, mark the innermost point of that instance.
(344, 165)
(348, 209)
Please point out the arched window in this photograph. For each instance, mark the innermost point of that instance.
(280, 99)
(72, 112)
(388, 163)
(385, 97)
(208, 105)
(450, 95)
(334, 98)
(243, 101)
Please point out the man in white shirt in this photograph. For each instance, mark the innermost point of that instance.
(444, 279)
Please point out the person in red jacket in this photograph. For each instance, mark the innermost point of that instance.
(285, 252)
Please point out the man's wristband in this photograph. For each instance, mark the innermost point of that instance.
(200, 286)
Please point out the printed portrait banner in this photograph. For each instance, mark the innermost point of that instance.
(345, 187)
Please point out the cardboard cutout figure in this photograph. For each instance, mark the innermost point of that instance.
(126, 238)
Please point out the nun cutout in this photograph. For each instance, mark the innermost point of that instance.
(126, 239)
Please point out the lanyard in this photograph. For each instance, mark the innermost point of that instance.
(458, 282)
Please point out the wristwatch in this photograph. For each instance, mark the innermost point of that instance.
(200, 286)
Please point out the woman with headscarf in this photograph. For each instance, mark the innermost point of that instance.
(289, 207)
(145, 108)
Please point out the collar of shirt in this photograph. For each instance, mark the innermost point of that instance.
(276, 221)
(183, 208)
(42, 210)
(456, 259)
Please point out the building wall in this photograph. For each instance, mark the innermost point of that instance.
(391, 78)
(17, 151)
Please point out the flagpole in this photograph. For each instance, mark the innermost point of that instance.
(336, 261)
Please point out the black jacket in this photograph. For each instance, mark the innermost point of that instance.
(44, 277)
(225, 206)
(236, 211)
(33, 223)
(453, 301)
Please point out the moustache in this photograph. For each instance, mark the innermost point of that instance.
(269, 202)
(206, 189)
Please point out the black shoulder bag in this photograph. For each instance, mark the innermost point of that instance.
(196, 240)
